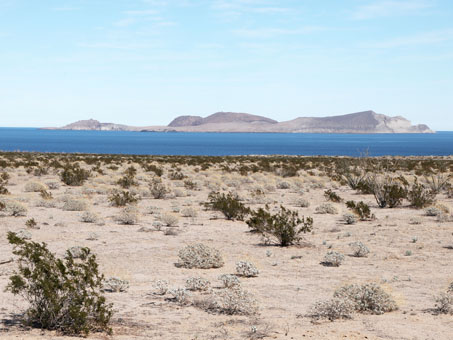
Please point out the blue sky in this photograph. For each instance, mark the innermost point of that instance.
(144, 62)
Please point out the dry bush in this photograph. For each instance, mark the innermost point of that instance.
(115, 285)
(128, 216)
(333, 309)
(349, 218)
(89, 217)
(197, 284)
(35, 187)
(326, 208)
(233, 301)
(367, 298)
(157, 189)
(171, 220)
(160, 287)
(246, 269)
(75, 205)
(229, 280)
(199, 256)
(13, 208)
(189, 212)
(181, 296)
(333, 259)
(359, 249)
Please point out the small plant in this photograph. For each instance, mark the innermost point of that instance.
(63, 294)
(444, 303)
(419, 196)
(285, 226)
(326, 208)
(361, 209)
(197, 284)
(302, 202)
(367, 298)
(157, 189)
(388, 191)
(169, 219)
(246, 269)
(31, 223)
(359, 249)
(122, 198)
(160, 287)
(128, 216)
(13, 208)
(228, 204)
(235, 301)
(34, 187)
(190, 185)
(115, 285)
(46, 195)
(229, 280)
(89, 217)
(333, 309)
(74, 176)
(75, 205)
(176, 175)
(189, 212)
(199, 256)
(332, 196)
(333, 259)
(349, 218)
(4, 177)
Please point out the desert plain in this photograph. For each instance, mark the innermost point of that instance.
(410, 253)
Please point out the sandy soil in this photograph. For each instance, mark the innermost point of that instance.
(286, 286)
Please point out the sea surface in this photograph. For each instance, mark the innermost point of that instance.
(217, 144)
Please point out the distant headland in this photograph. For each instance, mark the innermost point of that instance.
(360, 122)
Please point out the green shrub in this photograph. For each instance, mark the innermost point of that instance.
(285, 226)
(388, 191)
(4, 177)
(228, 204)
(74, 176)
(122, 198)
(332, 196)
(419, 196)
(64, 294)
(361, 209)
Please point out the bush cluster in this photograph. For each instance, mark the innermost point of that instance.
(63, 294)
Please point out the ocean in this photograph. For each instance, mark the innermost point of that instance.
(221, 144)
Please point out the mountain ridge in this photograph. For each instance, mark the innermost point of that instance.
(358, 122)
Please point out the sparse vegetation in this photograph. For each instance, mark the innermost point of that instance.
(228, 204)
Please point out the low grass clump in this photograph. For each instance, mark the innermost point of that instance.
(63, 294)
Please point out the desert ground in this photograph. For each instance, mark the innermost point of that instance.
(411, 254)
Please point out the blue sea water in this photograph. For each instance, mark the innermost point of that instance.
(217, 144)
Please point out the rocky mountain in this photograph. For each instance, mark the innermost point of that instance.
(360, 122)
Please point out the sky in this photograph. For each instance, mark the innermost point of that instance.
(145, 62)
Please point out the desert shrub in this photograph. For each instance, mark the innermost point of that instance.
(438, 182)
(332, 196)
(31, 223)
(13, 208)
(53, 185)
(444, 303)
(176, 175)
(326, 208)
(190, 185)
(199, 256)
(283, 185)
(42, 203)
(157, 189)
(128, 215)
(160, 287)
(63, 294)
(127, 181)
(333, 309)
(34, 187)
(302, 202)
(419, 196)
(333, 259)
(24, 234)
(229, 280)
(361, 209)
(197, 284)
(75, 205)
(153, 168)
(359, 249)
(367, 298)
(115, 285)
(285, 226)
(354, 178)
(4, 177)
(433, 211)
(234, 301)
(181, 296)
(246, 269)
(169, 219)
(189, 212)
(45, 195)
(74, 176)
(122, 198)
(349, 218)
(89, 217)
(228, 204)
(388, 191)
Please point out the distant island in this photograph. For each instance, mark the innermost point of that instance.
(360, 122)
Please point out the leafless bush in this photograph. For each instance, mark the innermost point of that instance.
(199, 256)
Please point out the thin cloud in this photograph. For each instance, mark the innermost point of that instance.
(273, 32)
(427, 38)
(390, 8)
